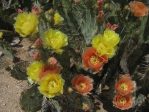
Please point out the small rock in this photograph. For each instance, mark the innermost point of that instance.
(4, 104)
(106, 88)
(15, 41)
(1, 53)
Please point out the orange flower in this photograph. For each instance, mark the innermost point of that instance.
(125, 85)
(123, 102)
(138, 8)
(82, 84)
(91, 60)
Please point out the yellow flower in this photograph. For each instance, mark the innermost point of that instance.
(55, 39)
(58, 19)
(96, 40)
(1, 35)
(26, 24)
(104, 50)
(110, 38)
(34, 70)
(51, 85)
(106, 43)
(101, 48)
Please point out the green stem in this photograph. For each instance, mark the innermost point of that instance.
(143, 26)
(7, 31)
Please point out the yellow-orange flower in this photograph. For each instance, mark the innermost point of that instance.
(125, 85)
(138, 8)
(82, 84)
(123, 102)
(91, 60)
(50, 68)
(26, 24)
(37, 70)
(51, 85)
(34, 70)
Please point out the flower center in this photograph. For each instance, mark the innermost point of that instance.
(52, 84)
(124, 86)
(94, 60)
(123, 101)
(82, 85)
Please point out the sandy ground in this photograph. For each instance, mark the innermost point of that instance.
(10, 91)
(10, 88)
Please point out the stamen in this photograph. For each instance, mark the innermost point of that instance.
(124, 86)
(94, 60)
(123, 100)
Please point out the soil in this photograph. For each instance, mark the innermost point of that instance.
(10, 88)
(10, 91)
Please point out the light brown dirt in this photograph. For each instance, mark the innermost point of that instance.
(10, 91)
(10, 88)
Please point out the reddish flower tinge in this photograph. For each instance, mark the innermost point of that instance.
(112, 26)
(37, 43)
(123, 102)
(125, 85)
(100, 4)
(91, 60)
(52, 61)
(51, 67)
(36, 55)
(82, 84)
(19, 10)
(36, 10)
(100, 16)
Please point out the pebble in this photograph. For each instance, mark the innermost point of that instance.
(15, 41)
(1, 53)
(4, 104)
